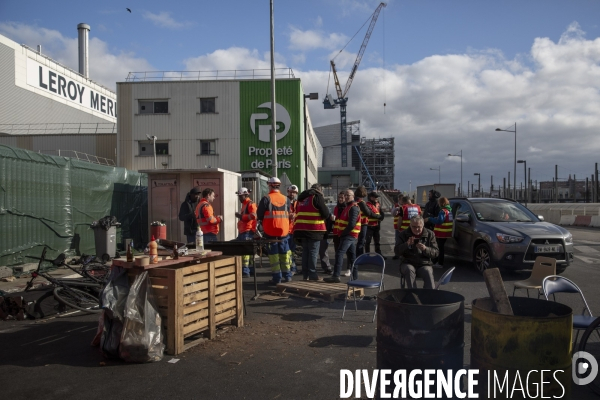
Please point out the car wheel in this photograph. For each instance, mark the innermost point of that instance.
(482, 257)
(560, 269)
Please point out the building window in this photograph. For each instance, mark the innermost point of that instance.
(146, 148)
(207, 105)
(208, 147)
(154, 107)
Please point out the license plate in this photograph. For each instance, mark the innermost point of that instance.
(548, 249)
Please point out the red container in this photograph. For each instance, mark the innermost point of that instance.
(159, 232)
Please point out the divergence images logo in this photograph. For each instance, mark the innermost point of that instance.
(264, 130)
(585, 368)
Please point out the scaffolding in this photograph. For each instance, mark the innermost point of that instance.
(378, 158)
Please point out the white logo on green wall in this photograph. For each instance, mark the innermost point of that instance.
(264, 129)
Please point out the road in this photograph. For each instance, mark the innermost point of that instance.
(288, 349)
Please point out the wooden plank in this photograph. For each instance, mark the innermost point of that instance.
(225, 306)
(199, 277)
(192, 308)
(327, 291)
(225, 288)
(194, 287)
(224, 316)
(229, 270)
(225, 297)
(239, 317)
(495, 286)
(171, 316)
(194, 268)
(164, 263)
(195, 328)
(212, 323)
(224, 280)
(159, 282)
(190, 298)
(223, 261)
(197, 316)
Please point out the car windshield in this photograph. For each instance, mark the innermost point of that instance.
(502, 211)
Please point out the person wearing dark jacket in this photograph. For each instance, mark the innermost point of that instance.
(374, 224)
(432, 208)
(310, 228)
(365, 213)
(418, 247)
(186, 214)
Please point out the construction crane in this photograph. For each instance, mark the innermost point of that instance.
(342, 100)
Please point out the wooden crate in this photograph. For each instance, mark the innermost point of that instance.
(195, 298)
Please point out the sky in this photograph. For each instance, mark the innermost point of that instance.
(449, 72)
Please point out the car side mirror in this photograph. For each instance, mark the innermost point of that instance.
(540, 217)
(462, 218)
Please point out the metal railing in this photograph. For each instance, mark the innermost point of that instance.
(59, 128)
(206, 75)
(80, 156)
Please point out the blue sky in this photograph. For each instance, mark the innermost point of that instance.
(449, 71)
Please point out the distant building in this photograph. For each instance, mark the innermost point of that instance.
(567, 190)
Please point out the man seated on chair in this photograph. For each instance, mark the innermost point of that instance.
(418, 247)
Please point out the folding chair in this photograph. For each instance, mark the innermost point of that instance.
(557, 284)
(444, 279)
(543, 267)
(367, 259)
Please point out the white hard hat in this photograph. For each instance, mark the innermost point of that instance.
(293, 188)
(274, 180)
(242, 191)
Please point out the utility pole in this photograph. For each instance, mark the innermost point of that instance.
(273, 102)
(556, 183)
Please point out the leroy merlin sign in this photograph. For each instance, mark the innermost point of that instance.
(255, 127)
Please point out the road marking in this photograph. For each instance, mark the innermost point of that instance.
(47, 337)
(41, 344)
(587, 242)
(91, 329)
(81, 327)
(587, 249)
(588, 260)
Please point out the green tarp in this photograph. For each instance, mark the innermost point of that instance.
(51, 201)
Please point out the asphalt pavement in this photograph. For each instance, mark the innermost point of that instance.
(288, 349)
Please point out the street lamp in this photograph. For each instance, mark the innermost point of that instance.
(515, 167)
(478, 183)
(461, 181)
(439, 170)
(153, 138)
(524, 162)
(311, 96)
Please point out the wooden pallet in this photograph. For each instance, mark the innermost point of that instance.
(327, 291)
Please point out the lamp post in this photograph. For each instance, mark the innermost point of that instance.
(515, 166)
(273, 102)
(524, 162)
(461, 181)
(311, 96)
(439, 170)
(478, 183)
(153, 138)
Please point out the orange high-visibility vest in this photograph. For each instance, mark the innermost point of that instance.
(276, 221)
(308, 217)
(364, 220)
(206, 218)
(336, 223)
(248, 220)
(397, 217)
(373, 221)
(344, 219)
(409, 211)
(444, 230)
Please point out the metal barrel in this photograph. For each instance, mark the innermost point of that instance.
(517, 348)
(429, 335)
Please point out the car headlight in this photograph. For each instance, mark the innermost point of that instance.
(503, 238)
(569, 238)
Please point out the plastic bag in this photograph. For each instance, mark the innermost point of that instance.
(142, 337)
(113, 299)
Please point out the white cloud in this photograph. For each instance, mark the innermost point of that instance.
(315, 39)
(534, 149)
(231, 59)
(106, 67)
(164, 20)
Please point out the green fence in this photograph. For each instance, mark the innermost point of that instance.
(51, 201)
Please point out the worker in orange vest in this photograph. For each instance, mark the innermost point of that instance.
(246, 227)
(365, 213)
(374, 228)
(442, 227)
(274, 214)
(396, 213)
(310, 228)
(209, 223)
(292, 192)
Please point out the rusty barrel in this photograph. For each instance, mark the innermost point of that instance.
(429, 335)
(537, 337)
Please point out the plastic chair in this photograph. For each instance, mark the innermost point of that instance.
(444, 279)
(370, 259)
(543, 267)
(557, 284)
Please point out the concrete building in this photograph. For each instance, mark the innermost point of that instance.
(49, 108)
(199, 122)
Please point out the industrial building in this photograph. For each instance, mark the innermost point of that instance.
(49, 108)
